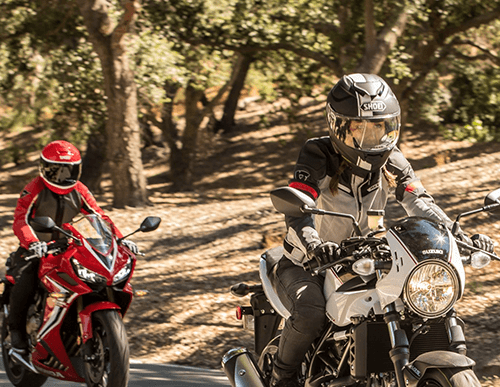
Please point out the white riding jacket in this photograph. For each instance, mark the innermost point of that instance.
(317, 164)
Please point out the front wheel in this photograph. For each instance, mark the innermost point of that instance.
(449, 377)
(107, 354)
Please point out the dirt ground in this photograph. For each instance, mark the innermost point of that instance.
(212, 237)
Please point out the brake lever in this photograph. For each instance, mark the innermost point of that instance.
(476, 249)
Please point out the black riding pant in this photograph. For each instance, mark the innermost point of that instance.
(25, 274)
(302, 294)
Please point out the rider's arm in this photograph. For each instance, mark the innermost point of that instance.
(410, 192)
(310, 169)
(90, 206)
(23, 212)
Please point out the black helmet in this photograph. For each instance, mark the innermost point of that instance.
(363, 116)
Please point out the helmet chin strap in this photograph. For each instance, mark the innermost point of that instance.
(357, 170)
(364, 164)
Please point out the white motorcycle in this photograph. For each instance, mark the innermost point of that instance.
(390, 299)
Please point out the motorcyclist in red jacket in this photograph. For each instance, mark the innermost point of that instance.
(58, 194)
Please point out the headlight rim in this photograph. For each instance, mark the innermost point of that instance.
(127, 270)
(99, 278)
(455, 283)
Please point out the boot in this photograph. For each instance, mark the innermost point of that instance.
(286, 382)
(18, 341)
(280, 378)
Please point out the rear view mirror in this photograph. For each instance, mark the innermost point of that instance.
(42, 224)
(151, 223)
(493, 198)
(290, 201)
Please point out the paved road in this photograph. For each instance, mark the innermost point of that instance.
(152, 375)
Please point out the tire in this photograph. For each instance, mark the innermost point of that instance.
(109, 363)
(18, 374)
(449, 377)
(266, 359)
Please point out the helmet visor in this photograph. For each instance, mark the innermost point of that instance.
(63, 175)
(375, 134)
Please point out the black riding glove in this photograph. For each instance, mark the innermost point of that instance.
(483, 242)
(323, 253)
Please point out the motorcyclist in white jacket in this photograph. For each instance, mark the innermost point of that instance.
(352, 170)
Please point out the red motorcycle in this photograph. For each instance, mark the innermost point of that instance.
(75, 327)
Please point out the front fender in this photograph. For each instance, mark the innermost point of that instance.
(86, 317)
(414, 371)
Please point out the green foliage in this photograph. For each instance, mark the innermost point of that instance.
(474, 107)
(50, 78)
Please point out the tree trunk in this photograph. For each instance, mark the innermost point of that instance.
(93, 162)
(378, 45)
(122, 126)
(183, 155)
(227, 121)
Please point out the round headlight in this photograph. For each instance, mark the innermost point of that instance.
(431, 289)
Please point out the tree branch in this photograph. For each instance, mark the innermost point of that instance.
(127, 20)
(96, 17)
(249, 50)
(376, 52)
(487, 54)
(370, 31)
(234, 73)
(62, 24)
(472, 23)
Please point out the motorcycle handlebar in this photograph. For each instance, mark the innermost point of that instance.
(55, 247)
(476, 249)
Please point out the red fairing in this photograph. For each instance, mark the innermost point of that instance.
(64, 289)
(86, 317)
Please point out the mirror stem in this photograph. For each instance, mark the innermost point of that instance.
(126, 236)
(308, 210)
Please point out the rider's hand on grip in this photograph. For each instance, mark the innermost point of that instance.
(38, 248)
(321, 254)
(131, 246)
(483, 242)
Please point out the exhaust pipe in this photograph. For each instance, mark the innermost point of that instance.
(241, 370)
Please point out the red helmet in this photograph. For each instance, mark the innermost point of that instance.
(60, 166)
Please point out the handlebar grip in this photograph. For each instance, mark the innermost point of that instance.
(310, 265)
(242, 289)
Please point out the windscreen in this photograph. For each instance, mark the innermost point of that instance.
(96, 231)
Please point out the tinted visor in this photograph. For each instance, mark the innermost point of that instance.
(376, 134)
(63, 175)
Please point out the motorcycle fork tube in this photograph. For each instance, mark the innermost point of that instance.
(455, 333)
(111, 295)
(400, 352)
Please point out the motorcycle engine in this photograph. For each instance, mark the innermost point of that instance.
(33, 323)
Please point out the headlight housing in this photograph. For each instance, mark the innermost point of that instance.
(431, 289)
(87, 275)
(123, 273)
